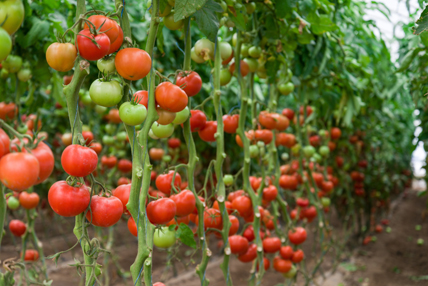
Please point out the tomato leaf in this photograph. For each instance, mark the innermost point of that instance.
(320, 23)
(271, 68)
(57, 89)
(238, 20)
(282, 7)
(160, 39)
(185, 8)
(162, 5)
(185, 234)
(38, 31)
(207, 19)
(422, 23)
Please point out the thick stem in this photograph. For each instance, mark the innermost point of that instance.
(3, 209)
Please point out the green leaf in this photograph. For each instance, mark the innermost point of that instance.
(185, 8)
(282, 7)
(408, 58)
(320, 23)
(271, 68)
(160, 39)
(238, 20)
(162, 5)
(207, 19)
(422, 22)
(185, 234)
(57, 89)
(39, 30)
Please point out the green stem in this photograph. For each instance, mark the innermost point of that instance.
(3, 209)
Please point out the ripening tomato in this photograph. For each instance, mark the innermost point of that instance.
(213, 219)
(124, 165)
(266, 120)
(198, 119)
(164, 181)
(298, 256)
(185, 202)
(244, 67)
(109, 26)
(264, 135)
(29, 200)
(105, 211)
(79, 161)
(106, 93)
(174, 143)
(207, 133)
(123, 181)
(8, 110)
(68, 201)
(191, 82)
(298, 236)
(89, 50)
(289, 113)
(19, 171)
(282, 122)
(159, 284)
(97, 147)
(46, 161)
(132, 226)
(243, 205)
(109, 161)
(17, 227)
(164, 237)
(122, 193)
(171, 97)
(116, 44)
(335, 133)
(133, 63)
(286, 252)
(271, 244)
(161, 211)
(308, 110)
(61, 56)
(31, 255)
(156, 154)
(231, 123)
(281, 265)
(238, 244)
(288, 182)
(235, 225)
(233, 195)
(270, 193)
(250, 255)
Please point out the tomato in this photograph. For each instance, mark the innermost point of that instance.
(165, 117)
(79, 161)
(174, 143)
(198, 120)
(67, 79)
(122, 193)
(161, 211)
(156, 154)
(253, 64)
(298, 236)
(105, 211)
(196, 58)
(68, 201)
(286, 252)
(132, 114)
(286, 88)
(109, 26)
(164, 181)
(298, 256)
(124, 165)
(8, 110)
(159, 284)
(225, 77)
(271, 244)
(162, 131)
(213, 219)
(235, 225)
(185, 202)
(238, 244)
(171, 24)
(181, 116)
(171, 97)
(19, 171)
(17, 227)
(123, 181)
(289, 113)
(250, 255)
(106, 93)
(116, 44)
(90, 51)
(61, 56)
(163, 237)
(46, 161)
(270, 193)
(31, 255)
(11, 15)
(133, 63)
(109, 161)
(12, 203)
(233, 195)
(282, 122)
(281, 265)
(106, 65)
(207, 133)
(288, 182)
(12, 63)
(191, 82)
(243, 205)
(29, 200)
(245, 68)
(228, 180)
(204, 49)
(225, 50)
(231, 123)
(132, 226)
(97, 147)
(141, 97)
(5, 44)
(264, 135)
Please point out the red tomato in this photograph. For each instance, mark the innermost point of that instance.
(289, 113)
(164, 181)
(122, 193)
(159, 284)
(116, 44)
(97, 147)
(29, 200)
(212, 219)
(105, 211)
(156, 154)
(298, 236)
(235, 225)
(4, 138)
(79, 161)
(31, 255)
(286, 252)
(132, 226)
(161, 211)
(308, 110)
(142, 97)
(191, 82)
(281, 265)
(19, 171)
(231, 123)
(17, 227)
(185, 202)
(250, 255)
(68, 201)
(109, 161)
(171, 97)
(174, 143)
(238, 244)
(288, 182)
(124, 165)
(123, 181)
(335, 133)
(243, 205)
(264, 135)
(271, 244)
(228, 206)
(46, 161)
(198, 120)
(266, 120)
(244, 67)
(90, 51)
(133, 63)
(298, 256)
(270, 193)
(109, 26)
(233, 195)
(8, 110)
(207, 133)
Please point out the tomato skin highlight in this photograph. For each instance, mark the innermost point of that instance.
(105, 211)
(68, 201)
(61, 56)
(164, 181)
(171, 97)
(19, 171)
(88, 50)
(79, 161)
(161, 211)
(192, 83)
(133, 63)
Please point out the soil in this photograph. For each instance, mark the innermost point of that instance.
(395, 259)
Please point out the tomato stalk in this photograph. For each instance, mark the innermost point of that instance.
(3, 209)
(190, 143)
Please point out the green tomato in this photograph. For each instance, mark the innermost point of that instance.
(110, 128)
(13, 63)
(225, 77)
(13, 203)
(230, 23)
(308, 151)
(285, 156)
(225, 50)
(261, 74)
(286, 88)
(121, 153)
(171, 24)
(105, 93)
(251, 7)
(323, 133)
(317, 158)
(106, 65)
(4, 74)
(162, 131)
(121, 136)
(255, 52)
(22, 128)
(296, 149)
(11, 15)
(204, 48)
(86, 100)
(100, 109)
(228, 180)
(290, 274)
(164, 238)
(132, 114)
(223, 6)
(252, 63)
(195, 57)
(325, 202)
(24, 75)
(324, 151)
(119, 144)
(5, 44)
(181, 116)
(254, 151)
(152, 135)
(166, 158)
(244, 50)
(108, 140)
(164, 13)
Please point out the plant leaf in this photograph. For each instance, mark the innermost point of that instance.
(185, 8)
(207, 19)
(185, 234)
